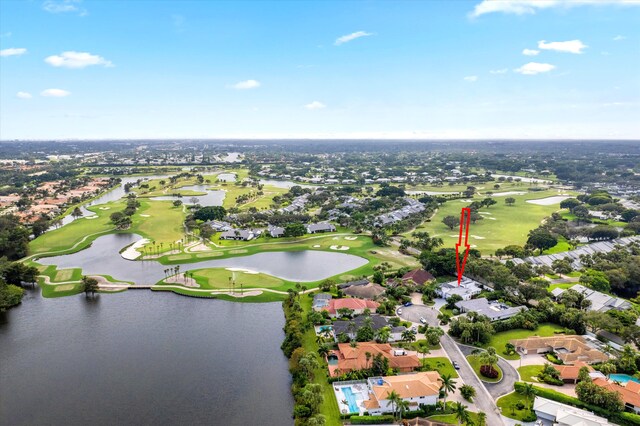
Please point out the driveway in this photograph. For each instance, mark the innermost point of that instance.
(414, 312)
(509, 375)
(483, 400)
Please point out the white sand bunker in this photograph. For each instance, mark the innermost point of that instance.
(104, 208)
(507, 193)
(549, 200)
(316, 246)
(246, 271)
(351, 238)
(144, 215)
(465, 201)
(341, 248)
(477, 237)
(238, 294)
(473, 246)
(91, 217)
(491, 218)
(132, 253)
(484, 212)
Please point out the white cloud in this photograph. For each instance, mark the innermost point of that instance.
(315, 105)
(530, 52)
(55, 93)
(349, 37)
(73, 59)
(247, 84)
(13, 51)
(500, 71)
(530, 7)
(616, 38)
(533, 68)
(24, 95)
(64, 6)
(471, 78)
(571, 46)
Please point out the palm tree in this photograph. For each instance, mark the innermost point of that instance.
(383, 334)
(394, 399)
(448, 385)
(368, 356)
(528, 392)
(323, 350)
(403, 407)
(481, 419)
(461, 412)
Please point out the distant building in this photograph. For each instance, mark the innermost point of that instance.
(600, 302)
(366, 291)
(218, 225)
(275, 231)
(239, 235)
(315, 228)
(495, 311)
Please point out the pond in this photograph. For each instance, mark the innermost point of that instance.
(103, 257)
(212, 198)
(142, 358)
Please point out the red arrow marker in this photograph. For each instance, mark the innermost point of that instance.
(464, 223)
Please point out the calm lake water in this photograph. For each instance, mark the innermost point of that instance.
(141, 358)
(103, 257)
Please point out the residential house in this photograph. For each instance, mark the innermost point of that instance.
(418, 276)
(315, 228)
(219, 225)
(630, 392)
(416, 389)
(466, 289)
(358, 306)
(570, 349)
(600, 302)
(350, 327)
(570, 373)
(365, 291)
(495, 311)
(275, 231)
(239, 234)
(321, 301)
(565, 415)
(413, 207)
(347, 358)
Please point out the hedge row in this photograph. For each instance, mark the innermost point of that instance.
(623, 418)
(371, 420)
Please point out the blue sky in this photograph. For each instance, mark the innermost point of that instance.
(392, 69)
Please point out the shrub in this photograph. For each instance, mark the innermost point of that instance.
(371, 420)
(530, 417)
(489, 371)
(520, 405)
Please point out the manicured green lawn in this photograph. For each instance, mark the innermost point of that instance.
(502, 225)
(440, 364)
(563, 245)
(219, 278)
(474, 361)
(451, 418)
(499, 340)
(561, 285)
(529, 373)
(507, 405)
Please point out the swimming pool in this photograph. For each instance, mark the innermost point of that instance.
(350, 397)
(623, 378)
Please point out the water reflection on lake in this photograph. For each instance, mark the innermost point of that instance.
(103, 258)
(142, 358)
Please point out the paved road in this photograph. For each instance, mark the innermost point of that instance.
(483, 399)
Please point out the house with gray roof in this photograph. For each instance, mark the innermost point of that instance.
(600, 302)
(466, 289)
(275, 231)
(495, 311)
(314, 228)
(321, 301)
(239, 234)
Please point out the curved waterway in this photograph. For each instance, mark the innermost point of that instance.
(142, 358)
(103, 257)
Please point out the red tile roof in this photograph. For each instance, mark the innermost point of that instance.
(349, 303)
(418, 276)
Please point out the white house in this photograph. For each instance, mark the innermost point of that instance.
(417, 388)
(565, 415)
(467, 289)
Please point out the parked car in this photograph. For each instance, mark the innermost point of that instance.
(455, 365)
(399, 311)
(423, 320)
(407, 304)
